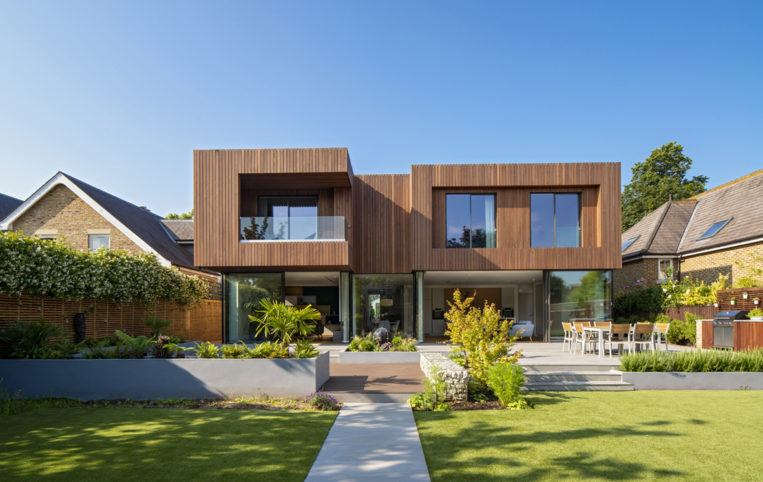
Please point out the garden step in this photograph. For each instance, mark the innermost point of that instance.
(566, 367)
(569, 376)
(578, 386)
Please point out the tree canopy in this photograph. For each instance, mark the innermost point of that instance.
(656, 179)
(188, 215)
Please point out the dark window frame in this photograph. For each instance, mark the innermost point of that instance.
(628, 242)
(580, 218)
(495, 219)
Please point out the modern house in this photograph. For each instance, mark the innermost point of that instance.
(538, 240)
(716, 232)
(88, 218)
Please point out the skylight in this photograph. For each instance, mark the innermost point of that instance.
(627, 243)
(713, 230)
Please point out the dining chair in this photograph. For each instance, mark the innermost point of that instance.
(569, 335)
(661, 333)
(643, 334)
(618, 334)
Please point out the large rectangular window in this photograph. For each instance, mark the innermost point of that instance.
(382, 301)
(470, 220)
(555, 220)
(243, 294)
(579, 296)
(284, 217)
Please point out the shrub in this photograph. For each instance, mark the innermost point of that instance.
(52, 268)
(237, 350)
(644, 301)
(132, 347)
(433, 398)
(681, 332)
(207, 350)
(755, 312)
(480, 337)
(305, 349)
(506, 381)
(322, 401)
(30, 339)
(157, 325)
(270, 350)
(694, 361)
(283, 321)
(368, 343)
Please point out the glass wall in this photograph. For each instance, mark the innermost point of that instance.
(470, 220)
(382, 300)
(555, 220)
(579, 296)
(243, 293)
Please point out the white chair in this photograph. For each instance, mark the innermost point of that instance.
(661, 333)
(618, 334)
(643, 334)
(569, 337)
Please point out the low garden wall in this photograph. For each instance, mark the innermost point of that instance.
(694, 380)
(364, 357)
(149, 379)
(455, 376)
(202, 321)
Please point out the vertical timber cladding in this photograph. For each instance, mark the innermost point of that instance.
(217, 204)
(598, 183)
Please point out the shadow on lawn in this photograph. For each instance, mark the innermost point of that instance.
(155, 444)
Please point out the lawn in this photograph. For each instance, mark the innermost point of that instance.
(160, 444)
(601, 435)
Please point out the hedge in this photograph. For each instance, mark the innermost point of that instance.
(52, 268)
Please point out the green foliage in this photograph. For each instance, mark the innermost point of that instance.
(305, 349)
(681, 332)
(506, 381)
(285, 322)
(207, 350)
(52, 268)
(752, 269)
(655, 180)
(368, 343)
(322, 401)
(270, 350)
(132, 347)
(157, 325)
(643, 300)
(433, 398)
(237, 350)
(694, 361)
(165, 348)
(188, 215)
(31, 339)
(755, 312)
(480, 337)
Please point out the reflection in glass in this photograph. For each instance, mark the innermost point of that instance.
(243, 294)
(470, 220)
(382, 300)
(579, 296)
(567, 221)
(542, 220)
(555, 220)
(457, 215)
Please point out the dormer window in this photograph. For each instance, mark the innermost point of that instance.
(628, 242)
(713, 230)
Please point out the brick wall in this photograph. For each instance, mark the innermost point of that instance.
(201, 322)
(633, 271)
(708, 266)
(62, 213)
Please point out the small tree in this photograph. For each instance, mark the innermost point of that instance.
(283, 321)
(480, 336)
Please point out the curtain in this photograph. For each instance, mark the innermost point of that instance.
(490, 221)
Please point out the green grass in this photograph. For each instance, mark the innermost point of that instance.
(597, 435)
(160, 444)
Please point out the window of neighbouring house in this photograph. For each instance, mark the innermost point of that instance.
(470, 220)
(555, 220)
(665, 269)
(628, 243)
(47, 236)
(713, 230)
(97, 241)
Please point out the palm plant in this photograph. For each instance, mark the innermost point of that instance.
(284, 322)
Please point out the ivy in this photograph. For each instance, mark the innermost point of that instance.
(52, 268)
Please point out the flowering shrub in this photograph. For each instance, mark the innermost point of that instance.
(52, 268)
(322, 401)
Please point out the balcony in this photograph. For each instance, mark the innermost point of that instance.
(292, 228)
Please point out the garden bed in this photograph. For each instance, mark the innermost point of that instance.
(149, 379)
(694, 380)
(347, 356)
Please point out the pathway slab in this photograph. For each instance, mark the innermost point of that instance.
(371, 441)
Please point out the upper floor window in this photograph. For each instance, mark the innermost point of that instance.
(713, 230)
(555, 220)
(290, 217)
(97, 241)
(665, 269)
(47, 237)
(470, 220)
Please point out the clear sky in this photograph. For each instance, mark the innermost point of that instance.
(119, 94)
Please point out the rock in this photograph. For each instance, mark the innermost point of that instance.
(381, 335)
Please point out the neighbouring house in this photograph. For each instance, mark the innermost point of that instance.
(539, 241)
(715, 232)
(88, 218)
(8, 204)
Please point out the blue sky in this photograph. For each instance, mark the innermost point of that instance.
(120, 93)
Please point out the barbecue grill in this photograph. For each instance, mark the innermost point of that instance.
(723, 328)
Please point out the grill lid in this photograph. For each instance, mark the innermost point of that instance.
(731, 315)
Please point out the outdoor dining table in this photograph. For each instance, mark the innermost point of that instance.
(599, 331)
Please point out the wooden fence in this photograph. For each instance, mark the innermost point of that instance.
(702, 312)
(202, 321)
(724, 298)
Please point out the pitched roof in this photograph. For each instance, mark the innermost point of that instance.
(7, 205)
(181, 229)
(142, 226)
(675, 227)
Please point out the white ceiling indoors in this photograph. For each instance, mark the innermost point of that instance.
(313, 278)
(475, 279)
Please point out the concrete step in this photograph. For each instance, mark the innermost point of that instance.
(583, 367)
(578, 386)
(568, 376)
(370, 397)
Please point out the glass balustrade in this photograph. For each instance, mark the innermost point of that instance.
(291, 228)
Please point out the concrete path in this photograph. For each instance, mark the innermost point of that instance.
(371, 441)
